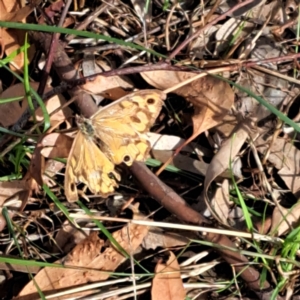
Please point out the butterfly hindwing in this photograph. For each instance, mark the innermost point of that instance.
(121, 126)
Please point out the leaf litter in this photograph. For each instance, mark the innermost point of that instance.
(235, 163)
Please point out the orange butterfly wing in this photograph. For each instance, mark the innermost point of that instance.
(119, 130)
(87, 164)
(121, 126)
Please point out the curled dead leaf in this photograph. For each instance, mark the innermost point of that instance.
(53, 145)
(13, 39)
(12, 111)
(87, 254)
(167, 282)
(100, 84)
(211, 97)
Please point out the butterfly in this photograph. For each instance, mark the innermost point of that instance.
(115, 134)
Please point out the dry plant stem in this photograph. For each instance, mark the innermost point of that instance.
(168, 67)
(212, 11)
(82, 25)
(50, 54)
(281, 28)
(173, 88)
(67, 72)
(277, 74)
(175, 5)
(18, 140)
(213, 22)
(165, 195)
(266, 182)
(176, 205)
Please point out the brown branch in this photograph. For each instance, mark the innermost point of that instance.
(169, 199)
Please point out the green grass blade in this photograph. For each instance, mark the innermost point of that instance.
(9, 58)
(87, 34)
(59, 204)
(12, 99)
(109, 235)
(26, 82)
(266, 104)
(11, 230)
(37, 97)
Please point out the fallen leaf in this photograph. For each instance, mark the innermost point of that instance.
(157, 237)
(56, 145)
(11, 188)
(181, 162)
(53, 145)
(224, 36)
(99, 84)
(12, 111)
(221, 203)
(262, 84)
(87, 254)
(167, 283)
(211, 97)
(220, 162)
(68, 236)
(283, 219)
(171, 142)
(13, 39)
(52, 167)
(285, 157)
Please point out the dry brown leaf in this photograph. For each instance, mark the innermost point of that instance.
(285, 157)
(12, 111)
(181, 162)
(211, 97)
(9, 189)
(52, 167)
(52, 145)
(13, 39)
(100, 84)
(56, 145)
(68, 236)
(52, 104)
(53, 10)
(221, 202)
(88, 255)
(284, 219)
(220, 162)
(167, 283)
(163, 142)
(157, 237)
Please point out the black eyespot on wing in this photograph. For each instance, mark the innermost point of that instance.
(126, 158)
(150, 101)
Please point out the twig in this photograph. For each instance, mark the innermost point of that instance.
(213, 22)
(54, 41)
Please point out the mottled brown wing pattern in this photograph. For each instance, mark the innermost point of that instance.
(87, 164)
(121, 127)
(115, 134)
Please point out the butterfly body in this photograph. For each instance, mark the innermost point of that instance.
(115, 134)
(85, 126)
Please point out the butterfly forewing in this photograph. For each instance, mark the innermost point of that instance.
(89, 165)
